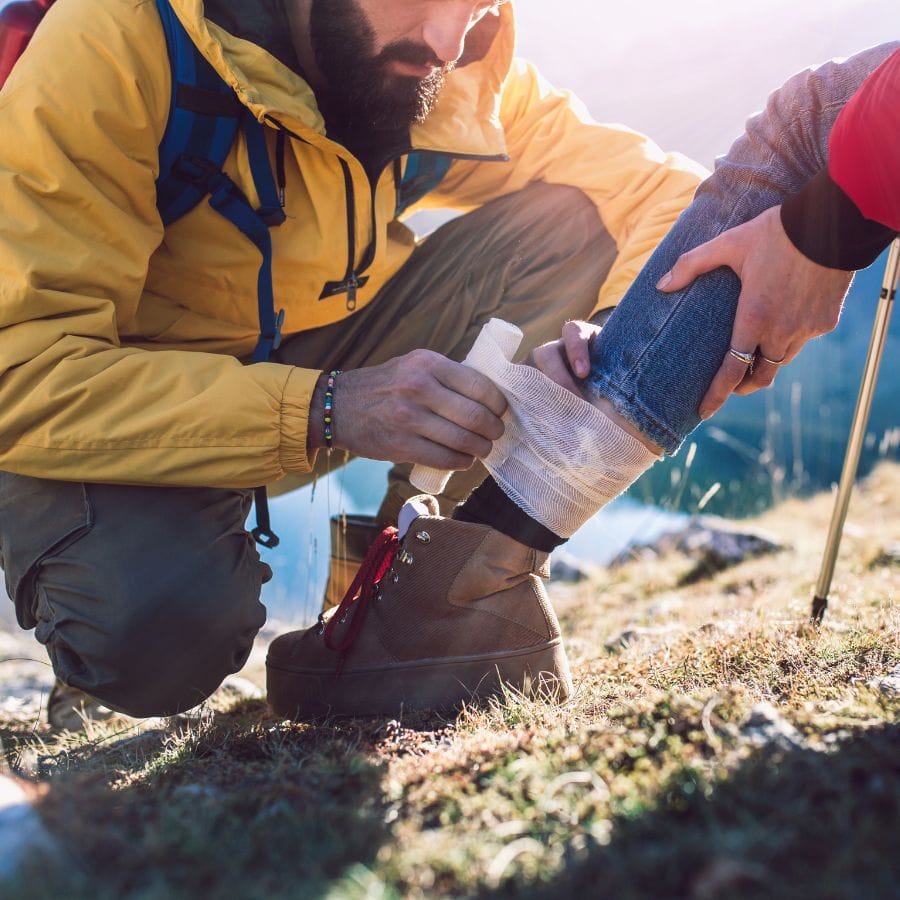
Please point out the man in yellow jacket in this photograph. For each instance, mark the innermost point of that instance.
(132, 429)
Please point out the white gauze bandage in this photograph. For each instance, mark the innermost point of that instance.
(560, 459)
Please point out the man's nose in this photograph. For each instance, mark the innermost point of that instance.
(445, 29)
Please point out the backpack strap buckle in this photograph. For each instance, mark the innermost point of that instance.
(195, 170)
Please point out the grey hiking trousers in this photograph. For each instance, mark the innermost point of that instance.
(148, 597)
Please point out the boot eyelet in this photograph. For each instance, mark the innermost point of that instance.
(395, 578)
(405, 557)
(424, 537)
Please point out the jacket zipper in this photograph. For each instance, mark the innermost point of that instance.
(351, 281)
(355, 278)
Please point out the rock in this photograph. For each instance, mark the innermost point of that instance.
(888, 684)
(717, 549)
(629, 636)
(665, 605)
(766, 727)
(712, 543)
(568, 569)
(23, 837)
(235, 688)
(26, 673)
(885, 556)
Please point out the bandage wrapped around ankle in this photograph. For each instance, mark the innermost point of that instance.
(560, 459)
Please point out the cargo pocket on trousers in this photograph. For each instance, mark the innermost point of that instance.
(38, 518)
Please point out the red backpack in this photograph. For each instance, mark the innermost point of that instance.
(17, 24)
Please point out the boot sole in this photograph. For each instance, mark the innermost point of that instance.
(430, 684)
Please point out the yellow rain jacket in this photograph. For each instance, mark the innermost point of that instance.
(119, 339)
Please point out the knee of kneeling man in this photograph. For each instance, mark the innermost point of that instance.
(561, 218)
(166, 659)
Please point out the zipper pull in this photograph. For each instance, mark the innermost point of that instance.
(352, 285)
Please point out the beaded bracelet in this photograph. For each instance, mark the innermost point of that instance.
(329, 404)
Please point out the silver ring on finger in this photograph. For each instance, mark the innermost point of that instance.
(774, 362)
(746, 358)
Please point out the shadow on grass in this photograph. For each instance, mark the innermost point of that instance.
(234, 806)
(785, 824)
(242, 806)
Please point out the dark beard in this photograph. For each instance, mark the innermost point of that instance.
(361, 92)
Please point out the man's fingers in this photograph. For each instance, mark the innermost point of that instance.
(427, 453)
(453, 437)
(550, 360)
(472, 384)
(576, 338)
(696, 262)
(469, 415)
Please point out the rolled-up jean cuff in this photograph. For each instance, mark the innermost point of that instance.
(636, 413)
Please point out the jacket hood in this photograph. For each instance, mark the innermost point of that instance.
(465, 121)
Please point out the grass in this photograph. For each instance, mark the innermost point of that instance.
(648, 783)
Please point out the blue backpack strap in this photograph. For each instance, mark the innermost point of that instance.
(204, 118)
(230, 202)
(424, 171)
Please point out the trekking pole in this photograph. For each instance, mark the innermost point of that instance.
(857, 431)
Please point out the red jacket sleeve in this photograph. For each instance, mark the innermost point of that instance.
(845, 216)
(864, 148)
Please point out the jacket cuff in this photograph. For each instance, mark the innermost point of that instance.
(295, 403)
(826, 226)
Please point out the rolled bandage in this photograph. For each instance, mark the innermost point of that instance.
(560, 459)
(495, 337)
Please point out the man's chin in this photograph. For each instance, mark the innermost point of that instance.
(402, 109)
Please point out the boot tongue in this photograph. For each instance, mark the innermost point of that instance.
(421, 505)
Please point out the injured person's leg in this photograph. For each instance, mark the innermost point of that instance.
(656, 356)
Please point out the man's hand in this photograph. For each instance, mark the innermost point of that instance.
(785, 300)
(418, 408)
(569, 357)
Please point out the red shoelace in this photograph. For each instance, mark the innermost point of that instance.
(374, 567)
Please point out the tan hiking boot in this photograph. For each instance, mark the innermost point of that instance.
(351, 537)
(452, 612)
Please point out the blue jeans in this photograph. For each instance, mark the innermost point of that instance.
(658, 353)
